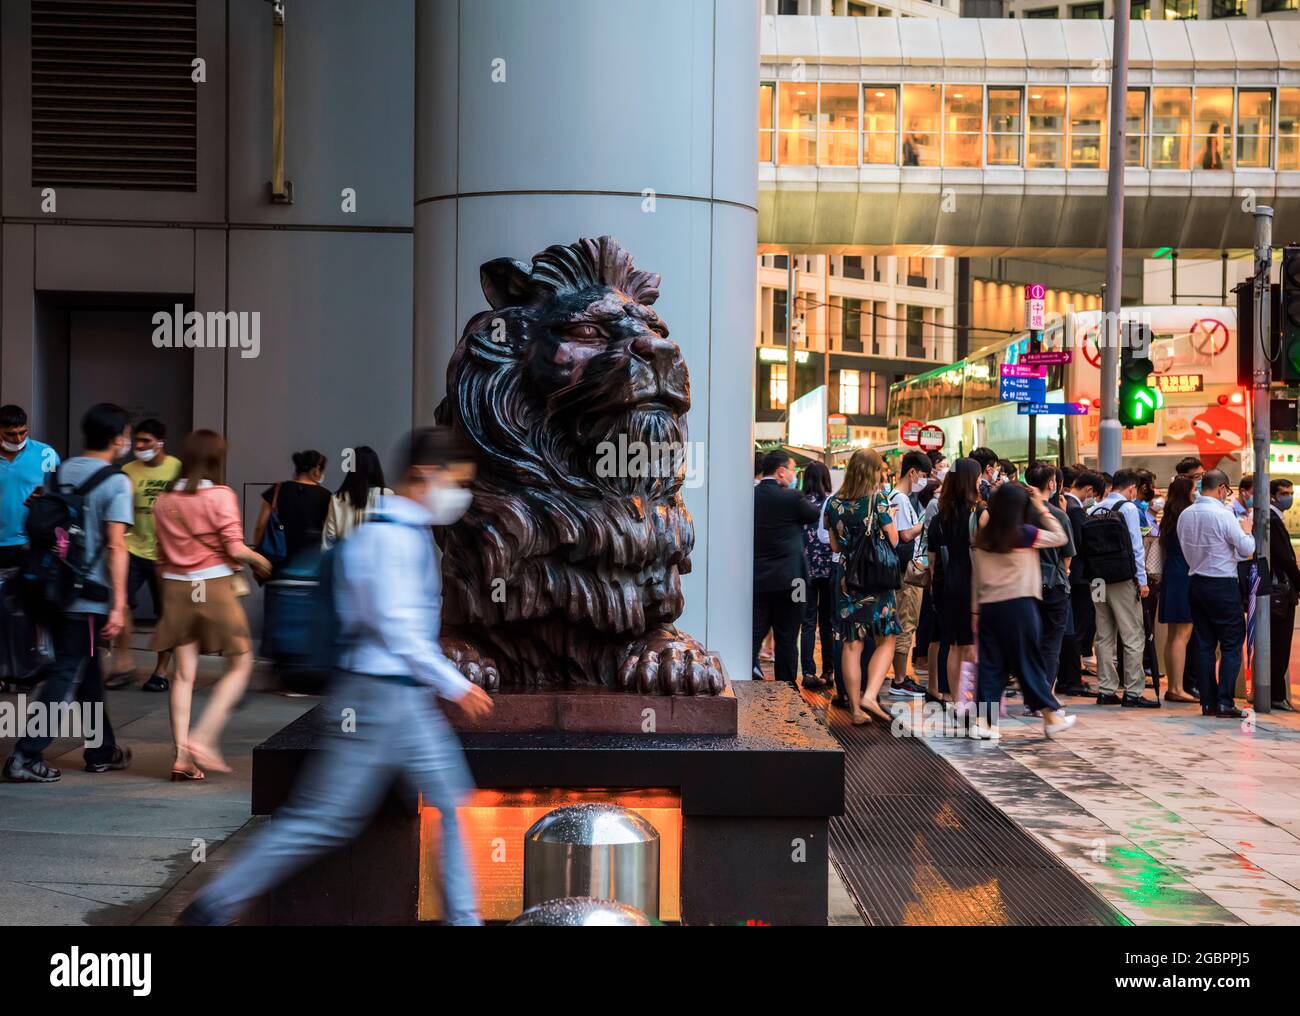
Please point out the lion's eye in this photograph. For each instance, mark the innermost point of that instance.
(587, 333)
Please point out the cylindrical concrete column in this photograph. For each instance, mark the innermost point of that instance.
(544, 121)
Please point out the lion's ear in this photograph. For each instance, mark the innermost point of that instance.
(506, 282)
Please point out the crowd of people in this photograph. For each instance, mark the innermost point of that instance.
(962, 582)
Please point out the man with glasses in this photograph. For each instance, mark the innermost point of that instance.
(1214, 543)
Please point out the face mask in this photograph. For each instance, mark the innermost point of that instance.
(146, 454)
(921, 484)
(1198, 488)
(941, 474)
(1144, 504)
(1284, 502)
(1250, 502)
(14, 447)
(447, 504)
(1158, 504)
(121, 451)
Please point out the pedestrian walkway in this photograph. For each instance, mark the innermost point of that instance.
(102, 849)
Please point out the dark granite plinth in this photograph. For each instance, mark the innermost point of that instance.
(601, 711)
(755, 806)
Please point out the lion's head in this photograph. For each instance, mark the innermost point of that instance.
(576, 399)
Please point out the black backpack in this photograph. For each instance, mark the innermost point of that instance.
(58, 566)
(1108, 545)
(871, 567)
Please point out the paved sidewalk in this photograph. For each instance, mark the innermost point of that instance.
(1173, 817)
(101, 849)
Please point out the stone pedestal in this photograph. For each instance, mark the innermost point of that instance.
(754, 812)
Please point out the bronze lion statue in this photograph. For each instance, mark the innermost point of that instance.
(567, 568)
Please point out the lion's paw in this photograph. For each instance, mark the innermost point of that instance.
(478, 668)
(668, 662)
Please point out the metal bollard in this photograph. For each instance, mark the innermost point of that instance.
(581, 912)
(599, 851)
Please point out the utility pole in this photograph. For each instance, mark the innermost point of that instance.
(1109, 438)
(791, 288)
(1261, 425)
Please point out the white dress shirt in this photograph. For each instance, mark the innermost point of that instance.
(1132, 517)
(388, 594)
(1212, 539)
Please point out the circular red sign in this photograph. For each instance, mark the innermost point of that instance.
(930, 438)
(910, 432)
(1091, 350)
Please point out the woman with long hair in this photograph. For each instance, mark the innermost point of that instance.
(200, 552)
(859, 509)
(819, 612)
(1007, 583)
(357, 496)
(1175, 607)
(950, 565)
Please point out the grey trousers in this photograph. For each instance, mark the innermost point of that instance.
(399, 731)
(1119, 619)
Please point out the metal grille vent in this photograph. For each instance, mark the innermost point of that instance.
(113, 102)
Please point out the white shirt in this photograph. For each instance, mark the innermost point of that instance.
(904, 516)
(1132, 517)
(388, 593)
(1212, 539)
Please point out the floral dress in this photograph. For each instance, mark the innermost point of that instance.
(857, 619)
(819, 554)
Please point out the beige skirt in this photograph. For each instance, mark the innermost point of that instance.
(205, 611)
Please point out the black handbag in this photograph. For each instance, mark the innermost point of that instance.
(872, 566)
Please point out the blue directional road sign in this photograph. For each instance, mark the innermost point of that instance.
(1022, 389)
(1051, 409)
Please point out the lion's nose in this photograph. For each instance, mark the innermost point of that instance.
(655, 348)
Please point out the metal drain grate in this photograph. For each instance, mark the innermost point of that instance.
(919, 845)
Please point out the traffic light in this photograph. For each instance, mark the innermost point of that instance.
(1289, 316)
(1138, 399)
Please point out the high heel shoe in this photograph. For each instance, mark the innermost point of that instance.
(188, 775)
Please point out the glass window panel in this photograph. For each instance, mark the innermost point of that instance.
(1088, 128)
(1171, 127)
(1254, 128)
(962, 112)
(922, 118)
(850, 380)
(880, 125)
(797, 113)
(766, 91)
(1213, 128)
(837, 139)
(1176, 10)
(1046, 128)
(1004, 127)
(1288, 128)
(1135, 127)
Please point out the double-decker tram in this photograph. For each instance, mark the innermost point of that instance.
(1193, 350)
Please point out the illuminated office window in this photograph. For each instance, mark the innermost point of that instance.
(776, 386)
(1212, 136)
(1089, 12)
(1255, 128)
(1171, 127)
(880, 125)
(1273, 6)
(850, 391)
(837, 122)
(962, 112)
(1180, 10)
(1088, 128)
(1288, 128)
(1046, 128)
(1228, 8)
(1139, 10)
(766, 124)
(1005, 128)
(922, 118)
(797, 118)
(1135, 127)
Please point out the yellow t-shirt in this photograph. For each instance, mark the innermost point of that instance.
(147, 482)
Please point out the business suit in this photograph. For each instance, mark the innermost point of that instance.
(1282, 560)
(780, 571)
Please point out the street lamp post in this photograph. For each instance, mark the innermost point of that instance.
(1109, 436)
(1261, 674)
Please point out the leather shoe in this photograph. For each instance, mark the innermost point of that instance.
(1231, 713)
(1108, 700)
(1138, 702)
(1285, 707)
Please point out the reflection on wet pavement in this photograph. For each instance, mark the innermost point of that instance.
(1172, 817)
